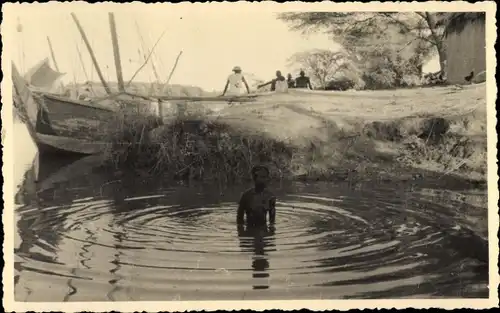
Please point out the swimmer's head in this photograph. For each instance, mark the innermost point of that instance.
(260, 175)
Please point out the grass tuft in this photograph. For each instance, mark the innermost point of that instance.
(192, 147)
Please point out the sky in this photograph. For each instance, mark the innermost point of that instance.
(212, 41)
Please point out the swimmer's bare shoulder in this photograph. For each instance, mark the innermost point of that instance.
(247, 195)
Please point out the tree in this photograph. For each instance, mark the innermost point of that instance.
(322, 64)
(361, 33)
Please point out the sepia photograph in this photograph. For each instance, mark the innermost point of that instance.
(249, 152)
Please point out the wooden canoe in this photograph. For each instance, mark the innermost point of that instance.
(56, 137)
(79, 120)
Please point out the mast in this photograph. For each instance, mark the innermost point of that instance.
(92, 68)
(143, 44)
(91, 52)
(82, 62)
(54, 59)
(173, 68)
(19, 29)
(116, 52)
(52, 54)
(147, 59)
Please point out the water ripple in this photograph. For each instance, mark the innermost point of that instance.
(328, 242)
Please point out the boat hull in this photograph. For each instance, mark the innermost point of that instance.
(69, 118)
(56, 137)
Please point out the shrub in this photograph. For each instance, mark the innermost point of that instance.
(341, 84)
(192, 147)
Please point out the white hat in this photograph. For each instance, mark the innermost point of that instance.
(236, 68)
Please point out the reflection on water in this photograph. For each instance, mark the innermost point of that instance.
(86, 236)
(256, 241)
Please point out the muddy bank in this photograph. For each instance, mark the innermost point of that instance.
(379, 135)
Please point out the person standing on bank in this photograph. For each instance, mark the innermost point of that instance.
(290, 81)
(278, 84)
(235, 82)
(303, 81)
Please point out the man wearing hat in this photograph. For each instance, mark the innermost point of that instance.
(235, 82)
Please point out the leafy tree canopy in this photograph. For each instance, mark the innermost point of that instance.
(364, 33)
(325, 65)
(383, 44)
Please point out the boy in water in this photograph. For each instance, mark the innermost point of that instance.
(257, 202)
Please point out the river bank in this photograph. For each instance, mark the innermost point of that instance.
(408, 135)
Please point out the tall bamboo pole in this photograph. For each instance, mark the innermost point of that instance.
(82, 62)
(91, 52)
(147, 59)
(173, 68)
(52, 54)
(143, 44)
(116, 52)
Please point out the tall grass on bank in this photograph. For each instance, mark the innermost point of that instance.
(192, 147)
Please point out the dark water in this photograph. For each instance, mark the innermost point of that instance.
(85, 236)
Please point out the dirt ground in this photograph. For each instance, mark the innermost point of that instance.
(440, 130)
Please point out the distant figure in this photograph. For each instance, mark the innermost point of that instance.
(290, 81)
(257, 202)
(278, 84)
(235, 82)
(303, 81)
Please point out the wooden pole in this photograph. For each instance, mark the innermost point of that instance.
(153, 86)
(91, 52)
(116, 52)
(173, 68)
(81, 62)
(147, 59)
(52, 54)
(143, 44)
(54, 60)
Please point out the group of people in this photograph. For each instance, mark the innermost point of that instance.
(300, 82)
(236, 81)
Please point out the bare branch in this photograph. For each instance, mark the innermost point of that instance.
(401, 23)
